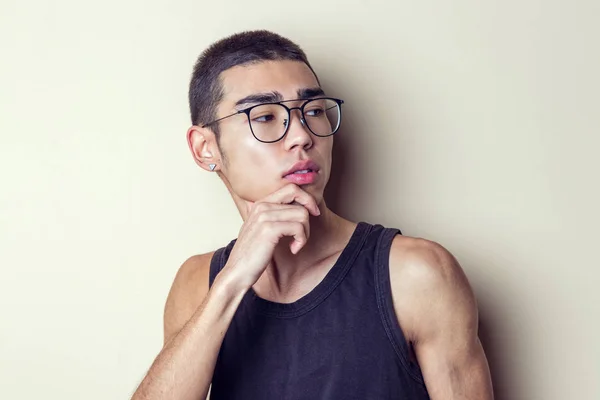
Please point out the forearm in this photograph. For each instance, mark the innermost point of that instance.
(184, 368)
(463, 375)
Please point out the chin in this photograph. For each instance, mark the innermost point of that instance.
(314, 190)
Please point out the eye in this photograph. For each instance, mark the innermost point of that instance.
(315, 112)
(264, 118)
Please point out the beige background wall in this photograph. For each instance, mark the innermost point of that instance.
(472, 123)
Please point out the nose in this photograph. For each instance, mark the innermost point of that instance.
(298, 133)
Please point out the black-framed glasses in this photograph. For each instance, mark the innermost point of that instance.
(269, 122)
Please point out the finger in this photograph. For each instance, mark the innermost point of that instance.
(282, 213)
(293, 193)
(261, 207)
(295, 230)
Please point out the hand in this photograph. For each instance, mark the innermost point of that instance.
(282, 213)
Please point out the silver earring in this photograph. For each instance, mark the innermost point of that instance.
(212, 166)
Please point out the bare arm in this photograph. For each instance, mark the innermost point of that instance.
(195, 324)
(438, 312)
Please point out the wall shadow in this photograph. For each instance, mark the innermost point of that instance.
(336, 186)
(351, 194)
(495, 353)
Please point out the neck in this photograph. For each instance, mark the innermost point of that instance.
(290, 276)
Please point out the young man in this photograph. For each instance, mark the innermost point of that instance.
(304, 304)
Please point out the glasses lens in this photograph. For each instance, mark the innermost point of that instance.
(322, 116)
(268, 122)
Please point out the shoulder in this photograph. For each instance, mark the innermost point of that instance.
(423, 261)
(187, 292)
(429, 287)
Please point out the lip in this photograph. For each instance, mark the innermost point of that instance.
(305, 178)
(302, 165)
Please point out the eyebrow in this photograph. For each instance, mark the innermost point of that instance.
(258, 98)
(273, 97)
(307, 93)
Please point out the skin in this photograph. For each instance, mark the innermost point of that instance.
(288, 242)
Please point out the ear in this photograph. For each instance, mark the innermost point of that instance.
(203, 145)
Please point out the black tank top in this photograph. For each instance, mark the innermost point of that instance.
(340, 341)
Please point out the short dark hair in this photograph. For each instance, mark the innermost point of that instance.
(249, 47)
